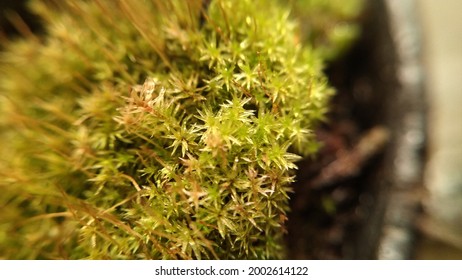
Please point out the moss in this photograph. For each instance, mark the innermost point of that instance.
(328, 25)
(155, 130)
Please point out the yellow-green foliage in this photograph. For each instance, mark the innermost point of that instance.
(154, 130)
(328, 25)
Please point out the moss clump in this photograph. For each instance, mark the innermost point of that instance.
(155, 130)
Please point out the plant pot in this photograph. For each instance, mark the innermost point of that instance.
(365, 205)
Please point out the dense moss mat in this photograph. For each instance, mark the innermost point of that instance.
(159, 129)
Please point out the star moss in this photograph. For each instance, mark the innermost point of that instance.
(155, 129)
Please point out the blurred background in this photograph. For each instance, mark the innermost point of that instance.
(441, 227)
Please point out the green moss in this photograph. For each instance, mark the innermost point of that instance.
(155, 130)
(328, 25)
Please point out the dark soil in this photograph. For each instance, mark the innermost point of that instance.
(333, 199)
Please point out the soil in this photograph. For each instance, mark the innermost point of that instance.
(337, 194)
